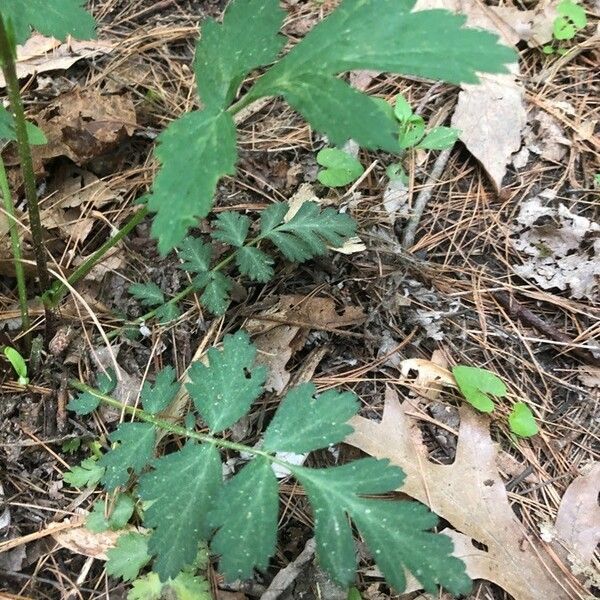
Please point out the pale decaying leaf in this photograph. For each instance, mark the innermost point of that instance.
(578, 519)
(560, 249)
(80, 540)
(470, 495)
(431, 376)
(40, 54)
(491, 114)
(292, 317)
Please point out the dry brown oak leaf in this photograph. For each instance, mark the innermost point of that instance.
(471, 496)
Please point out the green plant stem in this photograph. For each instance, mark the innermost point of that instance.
(58, 290)
(142, 415)
(15, 241)
(7, 58)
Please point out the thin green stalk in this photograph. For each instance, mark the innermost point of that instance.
(184, 293)
(169, 427)
(58, 290)
(7, 59)
(15, 241)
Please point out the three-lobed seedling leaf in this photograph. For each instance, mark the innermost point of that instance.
(340, 167)
(186, 501)
(202, 144)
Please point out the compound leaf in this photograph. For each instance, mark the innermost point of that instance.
(128, 557)
(246, 515)
(155, 398)
(224, 390)
(341, 168)
(7, 129)
(182, 488)
(87, 474)
(254, 263)
(310, 231)
(395, 532)
(272, 216)
(292, 430)
(201, 145)
(247, 38)
(134, 452)
(231, 228)
(167, 312)
(149, 294)
(475, 384)
(195, 254)
(54, 18)
(216, 292)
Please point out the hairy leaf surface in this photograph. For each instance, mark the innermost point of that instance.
(246, 515)
(149, 294)
(247, 38)
(295, 428)
(224, 391)
(54, 18)
(129, 556)
(255, 264)
(155, 398)
(182, 489)
(395, 532)
(310, 231)
(195, 254)
(231, 228)
(216, 291)
(196, 150)
(134, 452)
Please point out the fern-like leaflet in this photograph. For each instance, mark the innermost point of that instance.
(187, 500)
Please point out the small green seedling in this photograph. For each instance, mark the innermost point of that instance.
(18, 364)
(571, 19)
(597, 180)
(521, 421)
(477, 384)
(413, 134)
(340, 167)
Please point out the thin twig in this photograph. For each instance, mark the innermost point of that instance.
(408, 237)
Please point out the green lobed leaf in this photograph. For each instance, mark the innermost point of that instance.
(187, 586)
(195, 254)
(156, 397)
(430, 43)
(294, 428)
(54, 18)
(310, 231)
(395, 532)
(134, 452)
(149, 294)
(247, 38)
(522, 421)
(35, 135)
(128, 557)
(341, 168)
(87, 474)
(231, 228)
(412, 132)
(439, 138)
(182, 489)
(195, 151)
(272, 216)
(84, 404)
(148, 587)
(119, 515)
(216, 291)
(167, 313)
(246, 517)
(255, 264)
(573, 12)
(224, 390)
(475, 384)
